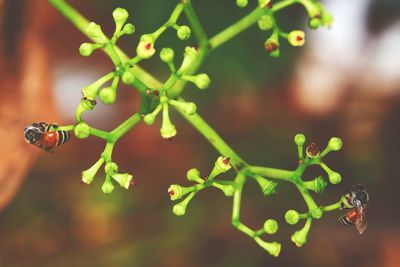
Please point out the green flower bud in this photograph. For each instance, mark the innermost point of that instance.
(193, 175)
(149, 118)
(111, 168)
(317, 213)
(189, 56)
(299, 139)
(86, 49)
(270, 226)
(82, 130)
(179, 209)
(94, 32)
(314, 23)
(335, 144)
(188, 107)
(123, 179)
(221, 166)
(167, 54)
(202, 81)
(272, 47)
(120, 15)
(167, 130)
(241, 3)
(300, 237)
(145, 48)
(268, 187)
(107, 186)
(175, 192)
(128, 28)
(89, 174)
(312, 8)
(265, 23)
(227, 188)
(292, 217)
(128, 77)
(273, 248)
(317, 185)
(333, 176)
(108, 95)
(183, 32)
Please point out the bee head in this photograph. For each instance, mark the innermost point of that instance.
(32, 134)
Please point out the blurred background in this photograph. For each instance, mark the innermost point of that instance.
(344, 82)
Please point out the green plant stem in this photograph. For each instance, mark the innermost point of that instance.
(278, 174)
(195, 23)
(99, 133)
(124, 127)
(333, 206)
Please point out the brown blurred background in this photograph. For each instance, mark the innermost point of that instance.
(344, 82)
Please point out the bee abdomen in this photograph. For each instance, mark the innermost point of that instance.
(63, 137)
(344, 220)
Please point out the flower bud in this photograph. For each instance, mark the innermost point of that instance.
(149, 118)
(167, 54)
(84, 105)
(145, 48)
(265, 23)
(226, 187)
(314, 23)
(221, 166)
(202, 81)
(273, 248)
(188, 107)
(111, 168)
(333, 176)
(107, 186)
(296, 38)
(268, 187)
(94, 32)
(123, 179)
(167, 130)
(183, 32)
(128, 28)
(270, 226)
(180, 208)
(189, 56)
(89, 174)
(317, 185)
(120, 15)
(128, 77)
(82, 130)
(312, 151)
(108, 95)
(175, 192)
(335, 144)
(193, 175)
(86, 49)
(299, 139)
(272, 47)
(300, 237)
(292, 217)
(242, 3)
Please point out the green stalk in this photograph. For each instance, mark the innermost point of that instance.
(195, 23)
(124, 127)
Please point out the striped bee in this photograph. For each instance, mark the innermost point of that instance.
(356, 202)
(45, 136)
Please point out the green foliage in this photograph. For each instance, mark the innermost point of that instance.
(159, 96)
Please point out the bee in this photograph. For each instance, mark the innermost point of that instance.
(356, 204)
(45, 136)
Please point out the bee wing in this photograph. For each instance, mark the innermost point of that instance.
(361, 221)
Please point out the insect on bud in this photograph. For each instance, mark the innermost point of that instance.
(128, 77)
(265, 23)
(183, 32)
(296, 38)
(167, 54)
(292, 217)
(145, 48)
(242, 3)
(123, 179)
(82, 130)
(108, 95)
(270, 226)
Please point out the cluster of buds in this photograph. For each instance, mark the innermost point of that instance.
(176, 191)
(125, 180)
